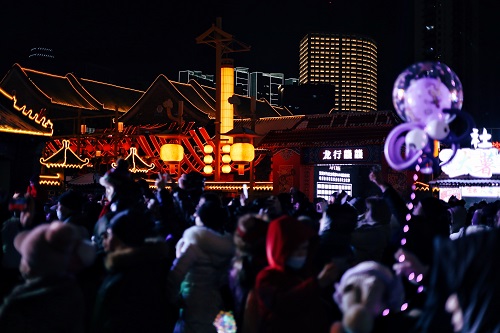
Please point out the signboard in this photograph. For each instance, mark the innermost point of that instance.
(481, 162)
(353, 179)
(341, 155)
(481, 191)
(333, 180)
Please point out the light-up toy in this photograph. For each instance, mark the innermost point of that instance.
(428, 96)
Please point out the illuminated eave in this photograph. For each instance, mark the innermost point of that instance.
(36, 117)
(135, 161)
(236, 186)
(63, 154)
(224, 186)
(19, 131)
(50, 180)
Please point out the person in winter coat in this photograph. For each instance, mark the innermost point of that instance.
(248, 261)
(287, 291)
(50, 300)
(133, 296)
(204, 255)
(464, 289)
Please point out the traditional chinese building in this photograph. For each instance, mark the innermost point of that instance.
(99, 122)
(94, 123)
(322, 154)
(23, 133)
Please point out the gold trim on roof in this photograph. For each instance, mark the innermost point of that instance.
(136, 167)
(38, 118)
(64, 158)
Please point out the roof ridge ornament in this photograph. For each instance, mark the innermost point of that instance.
(64, 158)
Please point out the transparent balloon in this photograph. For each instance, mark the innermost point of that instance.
(428, 97)
(424, 89)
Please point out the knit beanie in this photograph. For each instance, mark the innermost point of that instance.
(53, 248)
(71, 200)
(118, 177)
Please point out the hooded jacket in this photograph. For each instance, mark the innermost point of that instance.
(133, 296)
(201, 268)
(289, 300)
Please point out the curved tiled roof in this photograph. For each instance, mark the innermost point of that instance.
(58, 89)
(265, 125)
(112, 97)
(21, 119)
(70, 92)
(337, 128)
(149, 109)
(194, 97)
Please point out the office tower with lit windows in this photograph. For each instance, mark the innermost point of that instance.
(348, 62)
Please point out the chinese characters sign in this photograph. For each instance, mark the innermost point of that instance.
(482, 162)
(331, 181)
(343, 154)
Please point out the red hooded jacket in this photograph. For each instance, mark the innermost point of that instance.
(289, 300)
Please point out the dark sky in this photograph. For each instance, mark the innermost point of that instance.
(131, 44)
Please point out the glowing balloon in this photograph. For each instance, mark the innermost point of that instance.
(426, 88)
(416, 139)
(428, 96)
(437, 129)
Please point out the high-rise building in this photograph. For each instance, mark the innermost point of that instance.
(204, 79)
(246, 83)
(348, 62)
(241, 80)
(266, 85)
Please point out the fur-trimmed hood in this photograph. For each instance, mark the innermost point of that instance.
(150, 252)
(211, 243)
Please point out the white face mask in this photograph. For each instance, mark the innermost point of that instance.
(296, 262)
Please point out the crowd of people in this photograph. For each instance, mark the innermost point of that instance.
(182, 259)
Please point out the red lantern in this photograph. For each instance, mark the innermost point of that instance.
(89, 148)
(126, 146)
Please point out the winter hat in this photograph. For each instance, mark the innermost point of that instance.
(377, 289)
(251, 231)
(72, 200)
(393, 297)
(53, 248)
(117, 177)
(212, 215)
(131, 226)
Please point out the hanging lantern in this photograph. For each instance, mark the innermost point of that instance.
(171, 152)
(226, 158)
(242, 153)
(208, 159)
(208, 169)
(226, 149)
(126, 145)
(106, 147)
(89, 148)
(208, 149)
(226, 168)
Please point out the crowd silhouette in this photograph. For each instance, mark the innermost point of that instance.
(182, 259)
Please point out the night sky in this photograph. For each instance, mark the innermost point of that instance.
(131, 44)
